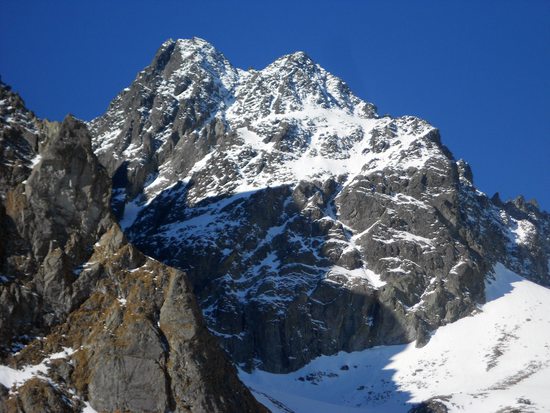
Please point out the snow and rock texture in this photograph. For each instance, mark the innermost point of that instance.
(497, 360)
(307, 223)
(86, 320)
(18, 138)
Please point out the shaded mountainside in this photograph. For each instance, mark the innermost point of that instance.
(307, 224)
(87, 320)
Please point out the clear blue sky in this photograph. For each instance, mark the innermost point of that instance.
(478, 70)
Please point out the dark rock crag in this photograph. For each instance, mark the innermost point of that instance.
(110, 326)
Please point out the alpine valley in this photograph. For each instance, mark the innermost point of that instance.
(224, 240)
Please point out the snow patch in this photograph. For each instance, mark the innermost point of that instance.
(131, 212)
(362, 273)
(88, 408)
(35, 160)
(10, 377)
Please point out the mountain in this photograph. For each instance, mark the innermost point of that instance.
(86, 319)
(343, 260)
(307, 223)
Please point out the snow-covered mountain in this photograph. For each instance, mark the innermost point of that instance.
(307, 223)
(344, 260)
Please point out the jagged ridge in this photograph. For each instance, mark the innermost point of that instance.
(307, 223)
(86, 320)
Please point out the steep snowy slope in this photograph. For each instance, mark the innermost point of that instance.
(497, 360)
(307, 223)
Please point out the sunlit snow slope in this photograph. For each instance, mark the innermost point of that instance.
(493, 361)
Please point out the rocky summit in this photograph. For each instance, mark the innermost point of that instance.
(269, 213)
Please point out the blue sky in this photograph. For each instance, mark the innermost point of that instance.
(478, 70)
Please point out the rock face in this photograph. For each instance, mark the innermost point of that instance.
(52, 215)
(430, 406)
(307, 223)
(18, 139)
(84, 315)
(302, 222)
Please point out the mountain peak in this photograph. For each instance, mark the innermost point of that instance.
(195, 44)
(297, 62)
(190, 56)
(299, 57)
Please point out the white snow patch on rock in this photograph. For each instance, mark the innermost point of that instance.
(10, 377)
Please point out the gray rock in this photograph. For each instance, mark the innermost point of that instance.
(430, 406)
